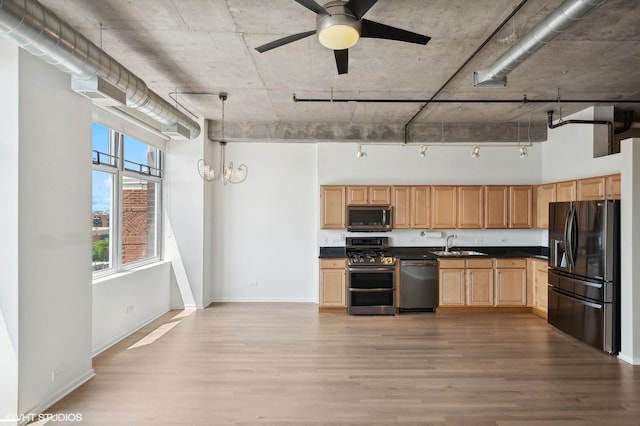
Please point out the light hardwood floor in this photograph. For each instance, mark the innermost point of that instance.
(286, 364)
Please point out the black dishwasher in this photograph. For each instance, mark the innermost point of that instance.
(418, 285)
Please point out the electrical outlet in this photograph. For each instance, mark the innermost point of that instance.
(253, 284)
(341, 237)
(129, 309)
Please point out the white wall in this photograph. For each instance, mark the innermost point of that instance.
(9, 142)
(568, 152)
(268, 225)
(54, 235)
(124, 302)
(184, 222)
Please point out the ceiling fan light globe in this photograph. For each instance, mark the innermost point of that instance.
(338, 37)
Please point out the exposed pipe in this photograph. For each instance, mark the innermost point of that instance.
(563, 122)
(523, 100)
(40, 32)
(409, 124)
(558, 21)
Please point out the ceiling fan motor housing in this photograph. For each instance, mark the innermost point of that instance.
(338, 22)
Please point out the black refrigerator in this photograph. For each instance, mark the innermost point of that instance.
(584, 271)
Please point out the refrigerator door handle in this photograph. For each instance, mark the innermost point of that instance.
(570, 236)
(567, 237)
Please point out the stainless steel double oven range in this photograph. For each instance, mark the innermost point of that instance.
(371, 276)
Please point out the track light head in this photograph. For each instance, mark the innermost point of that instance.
(423, 151)
(360, 152)
(475, 152)
(523, 151)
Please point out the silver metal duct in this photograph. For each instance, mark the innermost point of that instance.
(40, 32)
(558, 21)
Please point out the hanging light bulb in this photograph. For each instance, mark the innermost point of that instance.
(229, 174)
(423, 151)
(360, 152)
(475, 152)
(523, 151)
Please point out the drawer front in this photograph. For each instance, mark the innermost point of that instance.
(480, 263)
(333, 263)
(511, 263)
(451, 263)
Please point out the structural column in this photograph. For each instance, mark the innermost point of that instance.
(630, 251)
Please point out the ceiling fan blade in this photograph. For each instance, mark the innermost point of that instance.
(284, 40)
(360, 7)
(342, 60)
(377, 30)
(312, 6)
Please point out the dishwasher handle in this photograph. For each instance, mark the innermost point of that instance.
(418, 262)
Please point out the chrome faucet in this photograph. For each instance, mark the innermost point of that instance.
(449, 242)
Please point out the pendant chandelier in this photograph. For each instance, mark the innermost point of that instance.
(225, 173)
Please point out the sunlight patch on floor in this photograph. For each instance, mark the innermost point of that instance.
(154, 335)
(184, 313)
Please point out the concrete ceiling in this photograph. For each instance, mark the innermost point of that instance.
(208, 46)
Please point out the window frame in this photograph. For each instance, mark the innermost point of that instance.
(118, 169)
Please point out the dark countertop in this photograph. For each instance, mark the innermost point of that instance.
(401, 253)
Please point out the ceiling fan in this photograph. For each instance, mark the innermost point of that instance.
(339, 26)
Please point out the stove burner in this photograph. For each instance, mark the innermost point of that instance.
(371, 258)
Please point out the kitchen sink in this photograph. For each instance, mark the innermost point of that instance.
(458, 253)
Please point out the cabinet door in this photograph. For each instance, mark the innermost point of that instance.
(470, 207)
(540, 286)
(545, 194)
(401, 203)
(612, 187)
(511, 287)
(332, 207)
(591, 189)
(333, 289)
(379, 195)
(357, 195)
(566, 191)
(479, 287)
(451, 283)
(520, 203)
(496, 214)
(421, 207)
(444, 207)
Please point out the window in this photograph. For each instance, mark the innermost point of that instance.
(127, 178)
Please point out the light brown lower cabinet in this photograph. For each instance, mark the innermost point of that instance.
(539, 274)
(511, 282)
(333, 283)
(483, 282)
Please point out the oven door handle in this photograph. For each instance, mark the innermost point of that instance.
(371, 269)
(372, 290)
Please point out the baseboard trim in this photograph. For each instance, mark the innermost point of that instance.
(629, 359)
(469, 309)
(44, 405)
(128, 333)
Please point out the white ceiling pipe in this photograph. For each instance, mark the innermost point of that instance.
(40, 32)
(558, 21)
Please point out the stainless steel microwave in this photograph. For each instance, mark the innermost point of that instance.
(369, 218)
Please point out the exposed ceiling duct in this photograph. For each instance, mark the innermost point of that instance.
(558, 21)
(40, 32)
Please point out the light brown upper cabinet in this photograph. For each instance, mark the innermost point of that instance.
(369, 195)
(520, 206)
(401, 203)
(591, 189)
(545, 194)
(444, 207)
(421, 207)
(566, 191)
(411, 207)
(470, 207)
(332, 207)
(612, 187)
(496, 207)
